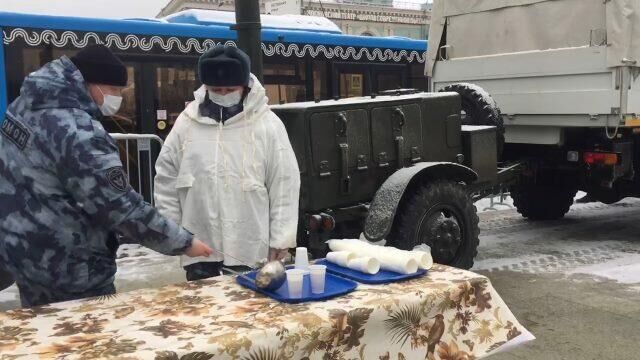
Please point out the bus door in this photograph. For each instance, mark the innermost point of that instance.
(168, 87)
(157, 93)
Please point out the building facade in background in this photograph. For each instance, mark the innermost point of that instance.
(355, 17)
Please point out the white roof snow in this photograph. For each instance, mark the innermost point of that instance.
(290, 22)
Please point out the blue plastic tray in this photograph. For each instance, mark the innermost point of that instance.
(382, 277)
(333, 286)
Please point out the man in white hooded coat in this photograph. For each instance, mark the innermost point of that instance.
(227, 171)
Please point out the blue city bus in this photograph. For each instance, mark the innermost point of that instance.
(301, 63)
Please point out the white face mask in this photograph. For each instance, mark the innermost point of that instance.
(228, 100)
(110, 104)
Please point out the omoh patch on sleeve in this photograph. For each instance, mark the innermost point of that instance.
(117, 178)
(15, 131)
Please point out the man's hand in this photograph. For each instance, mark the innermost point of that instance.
(278, 254)
(198, 249)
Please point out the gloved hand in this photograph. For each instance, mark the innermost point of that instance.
(198, 249)
(278, 254)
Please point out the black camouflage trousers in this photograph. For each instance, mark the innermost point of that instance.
(204, 270)
(34, 295)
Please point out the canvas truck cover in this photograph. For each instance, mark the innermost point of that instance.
(490, 27)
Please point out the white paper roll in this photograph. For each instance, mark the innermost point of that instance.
(367, 265)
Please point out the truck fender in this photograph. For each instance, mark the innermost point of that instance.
(389, 196)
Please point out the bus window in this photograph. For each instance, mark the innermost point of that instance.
(285, 82)
(418, 79)
(126, 120)
(351, 84)
(32, 60)
(320, 86)
(281, 94)
(57, 53)
(389, 81)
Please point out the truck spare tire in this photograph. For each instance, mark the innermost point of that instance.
(479, 109)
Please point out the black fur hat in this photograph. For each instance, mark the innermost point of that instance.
(224, 66)
(98, 65)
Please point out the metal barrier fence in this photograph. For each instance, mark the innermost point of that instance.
(139, 168)
(501, 198)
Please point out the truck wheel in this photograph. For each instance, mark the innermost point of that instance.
(543, 202)
(479, 109)
(441, 215)
(6, 279)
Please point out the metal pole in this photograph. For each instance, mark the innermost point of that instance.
(249, 35)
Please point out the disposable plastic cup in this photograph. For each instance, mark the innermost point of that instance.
(302, 258)
(318, 275)
(341, 258)
(367, 265)
(295, 278)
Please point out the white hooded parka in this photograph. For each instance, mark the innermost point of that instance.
(235, 185)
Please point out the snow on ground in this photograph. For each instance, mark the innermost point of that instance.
(505, 202)
(625, 269)
(593, 240)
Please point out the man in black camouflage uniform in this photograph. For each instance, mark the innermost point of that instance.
(63, 191)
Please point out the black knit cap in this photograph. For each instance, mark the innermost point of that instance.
(98, 65)
(224, 66)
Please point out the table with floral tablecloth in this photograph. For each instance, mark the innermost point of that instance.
(447, 314)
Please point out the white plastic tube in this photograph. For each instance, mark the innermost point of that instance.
(399, 264)
(424, 259)
(341, 258)
(363, 248)
(391, 259)
(367, 265)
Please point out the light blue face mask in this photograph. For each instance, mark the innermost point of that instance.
(228, 100)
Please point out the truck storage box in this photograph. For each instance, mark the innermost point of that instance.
(347, 148)
(480, 154)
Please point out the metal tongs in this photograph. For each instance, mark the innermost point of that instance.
(270, 275)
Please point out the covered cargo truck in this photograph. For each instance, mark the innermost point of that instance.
(565, 75)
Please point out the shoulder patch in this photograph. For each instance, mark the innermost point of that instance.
(117, 178)
(16, 132)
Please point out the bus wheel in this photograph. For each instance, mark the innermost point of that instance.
(542, 202)
(442, 215)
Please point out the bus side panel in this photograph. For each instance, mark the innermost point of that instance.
(3, 79)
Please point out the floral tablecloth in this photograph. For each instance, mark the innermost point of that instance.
(448, 314)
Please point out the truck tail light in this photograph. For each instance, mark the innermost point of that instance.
(322, 223)
(601, 158)
(328, 223)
